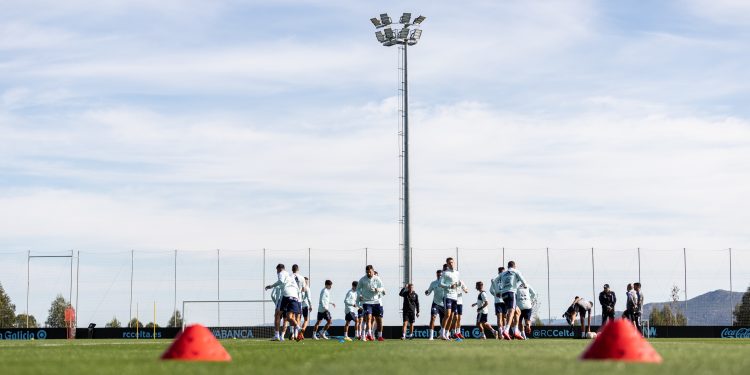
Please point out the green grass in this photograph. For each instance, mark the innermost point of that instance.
(712, 356)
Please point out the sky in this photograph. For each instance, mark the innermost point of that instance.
(195, 125)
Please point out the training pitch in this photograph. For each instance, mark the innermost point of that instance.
(681, 356)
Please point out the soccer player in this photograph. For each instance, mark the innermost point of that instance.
(302, 287)
(289, 303)
(306, 305)
(510, 280)
(360, 320)
(410, 309)
(276, 298)
(460, 309)
(482, 311)
(638, 313)
(526, 297)
(323, 312)
(449, 282)
(499, 304)
(582, 307)
(350, 311)
(630, 303)
(370, 291)
(608, 300)
(437, 310)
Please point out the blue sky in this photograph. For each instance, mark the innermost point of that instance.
(248, 124)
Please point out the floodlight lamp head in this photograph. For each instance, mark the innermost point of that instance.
(380, 36)
(404, 33)
(419, 20)
(405, 18)
(375, 22)
(385, 19)
(416, 34)
(388, 33)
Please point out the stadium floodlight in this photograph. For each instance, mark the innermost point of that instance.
(385, 19)
(389, 33)
(380, 36)
(403, 36)
(375, 22)
(404, 33)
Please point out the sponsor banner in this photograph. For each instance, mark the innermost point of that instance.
(389, 332)
(32, 333)
(735, 333)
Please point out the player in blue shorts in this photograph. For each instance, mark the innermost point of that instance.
(290, 305)
(323, 311)
(460, 309)
(483, 309)
(370, 291)
(499, 304)
(436, 311)
(449, 282)
(525, 298)
(306, 303)
(350, 310)
(510, 280)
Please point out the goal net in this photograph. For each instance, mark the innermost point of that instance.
(235, 319)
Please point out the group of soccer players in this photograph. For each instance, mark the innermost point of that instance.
(513, 300)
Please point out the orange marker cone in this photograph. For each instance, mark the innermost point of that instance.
(619, 340)
(196, 343)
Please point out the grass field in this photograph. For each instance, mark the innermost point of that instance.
(685, 356)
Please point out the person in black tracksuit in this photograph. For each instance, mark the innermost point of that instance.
(608, 300)
(410, 309)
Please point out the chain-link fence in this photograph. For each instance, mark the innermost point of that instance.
(703, 285)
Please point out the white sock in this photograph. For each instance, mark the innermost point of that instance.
(380, 334)
(275, 333)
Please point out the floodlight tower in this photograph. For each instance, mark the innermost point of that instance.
(403, 34)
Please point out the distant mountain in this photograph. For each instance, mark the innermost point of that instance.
(710, 309)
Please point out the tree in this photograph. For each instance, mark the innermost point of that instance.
(133, 323)
(21, 321)
(742, 311)
(655, 318)
(7, 310)
(538, 321)
(114, 323)
(151, 325)
(175, 320)
(56, 314)
(669, 315)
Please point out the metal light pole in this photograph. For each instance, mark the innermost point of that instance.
(406, 33)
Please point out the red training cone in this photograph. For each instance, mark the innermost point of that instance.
(619, 340)
(196, 343)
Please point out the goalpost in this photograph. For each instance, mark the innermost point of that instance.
(231, 319)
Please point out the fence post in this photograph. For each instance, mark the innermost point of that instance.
(684, 262)
(263, 284)
(456, 258)
(70, 297)
(309, 267)
(218, 286)
(593, 285)
(549, 297)
(731, 291)
(28, 284)
(174, 311)
(639, 264)
(366, 261)
(503, 264)
(78, 272)
(132, 262)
